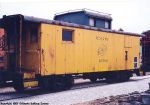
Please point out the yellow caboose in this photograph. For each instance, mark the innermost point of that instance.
(49, 53)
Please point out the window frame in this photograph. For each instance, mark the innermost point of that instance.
(33, 28)
(91, 22)
(106, 24)
(72, 35)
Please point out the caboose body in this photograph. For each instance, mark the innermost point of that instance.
(49, 53)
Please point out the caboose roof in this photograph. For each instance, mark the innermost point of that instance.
(61, 23)
(146, 32)
(87, 12)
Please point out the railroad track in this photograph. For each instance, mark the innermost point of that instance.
(33, 92)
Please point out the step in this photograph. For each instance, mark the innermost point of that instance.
(30, 83)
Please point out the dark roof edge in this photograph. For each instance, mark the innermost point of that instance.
(40, 20)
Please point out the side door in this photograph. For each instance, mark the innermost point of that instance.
(48, 49)
(30, 53)
(127, 47)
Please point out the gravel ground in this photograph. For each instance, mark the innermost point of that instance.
(87, 94)
(134, 98)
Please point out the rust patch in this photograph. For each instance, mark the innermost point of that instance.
(52, 55)
(51, 52)
(93, 68)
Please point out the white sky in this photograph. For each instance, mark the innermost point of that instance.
(130, 15)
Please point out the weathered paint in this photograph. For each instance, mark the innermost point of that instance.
(2, 53)
(90, 51)
(28, 75)
(30, 53)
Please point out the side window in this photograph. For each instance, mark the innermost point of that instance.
(106, 24)
(91, 22)
(34, 35)
(67, 35)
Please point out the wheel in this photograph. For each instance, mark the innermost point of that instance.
(109, 80)
(69, 81)
(18, 85)
(123, 76)
(113, 77)
(45, 83)
(93, 79)
(63, 82)
(126, 77)
(59, 84)
(56, 83)
(144, 73)
(137, 72)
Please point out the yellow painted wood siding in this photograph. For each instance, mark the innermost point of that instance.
(90, 51)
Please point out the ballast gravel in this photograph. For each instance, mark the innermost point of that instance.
(69, 97)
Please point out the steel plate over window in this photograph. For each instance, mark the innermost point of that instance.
(34, 34)
(67, 35)
(106, 24)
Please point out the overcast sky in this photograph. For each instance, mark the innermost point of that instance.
(130, 15)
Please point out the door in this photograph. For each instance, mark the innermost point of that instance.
(127, 47)
(30, 53)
